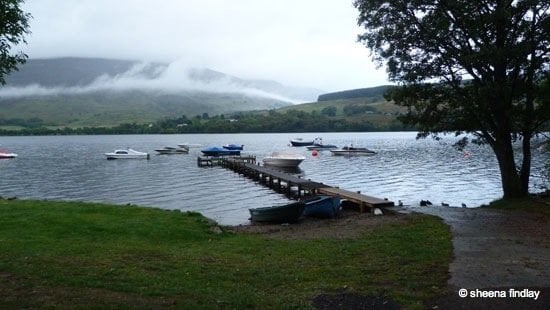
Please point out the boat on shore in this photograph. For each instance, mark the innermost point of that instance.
(283, 159)
(322, 206)
(353, 151)
(168, 150)
(219, 151)
(301, 142)
(127, 154)
(288, 213)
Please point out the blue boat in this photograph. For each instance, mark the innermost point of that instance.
(234, 147)
(322, 206)
(219, 151)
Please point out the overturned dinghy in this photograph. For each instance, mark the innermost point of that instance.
(288, 213)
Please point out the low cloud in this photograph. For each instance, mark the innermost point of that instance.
(174, 78)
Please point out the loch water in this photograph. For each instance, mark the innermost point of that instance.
(74, 168)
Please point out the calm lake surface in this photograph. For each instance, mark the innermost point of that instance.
(74, 168)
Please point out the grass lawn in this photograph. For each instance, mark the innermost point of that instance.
(83, 255)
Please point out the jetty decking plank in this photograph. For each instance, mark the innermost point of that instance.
(358, 198)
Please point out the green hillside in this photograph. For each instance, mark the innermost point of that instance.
(79, 92)
(106, 109)
(380, 113)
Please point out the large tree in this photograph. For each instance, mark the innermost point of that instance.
(14, 25)
(477, 67)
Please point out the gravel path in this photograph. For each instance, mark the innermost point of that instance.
(496, 250)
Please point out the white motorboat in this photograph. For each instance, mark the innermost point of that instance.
(168, 150)
(353, 151)
(127, 154)
(5, 154)
(283, 159)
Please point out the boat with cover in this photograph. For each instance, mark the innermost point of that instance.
(239, 147)
(322, 206)
(353, 151)
(288, 213)
(283, 159)
(127, 154)
(219, 151)
(300, 142)
(168, 150)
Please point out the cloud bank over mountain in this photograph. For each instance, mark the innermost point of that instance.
(173, 78)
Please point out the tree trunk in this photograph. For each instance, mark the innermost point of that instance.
(526, 164)
(511, 181)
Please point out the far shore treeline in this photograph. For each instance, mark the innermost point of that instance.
(245, 122)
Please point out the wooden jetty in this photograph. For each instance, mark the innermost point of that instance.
(297, 187)
(209, 161)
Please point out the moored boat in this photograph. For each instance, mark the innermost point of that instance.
(353, 151)
(190, 145)
(168, 150)
(288, 213)
(5, 154)
(219, 151)
(239, 147)
(283, 159)
(318, 145)
(300, 142)
(127, 154)
(322, 206)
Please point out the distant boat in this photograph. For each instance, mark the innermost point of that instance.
(322, 206)
(168, 150)
(353, 151)
(219, 151)
(190, 145)
(320, 146)
(127, 154)
(288, 213)
(283, 159)
(234, 147)
(4, 154)
(300, 142)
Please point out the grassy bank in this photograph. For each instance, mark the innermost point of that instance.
(59, 254)
(534, 203)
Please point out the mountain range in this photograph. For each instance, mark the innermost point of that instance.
(80, 92)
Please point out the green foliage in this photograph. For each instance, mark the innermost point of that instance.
(357, 109)
(329, 111)
(501, 47)
(14, 25)
(289, 121)
(81, 254)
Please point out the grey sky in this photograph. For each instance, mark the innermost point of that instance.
(296, 42)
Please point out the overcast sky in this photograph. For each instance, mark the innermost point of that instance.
(308, 43)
